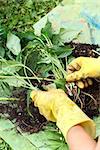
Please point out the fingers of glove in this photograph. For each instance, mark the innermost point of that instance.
(90, 82)
(33, 95)
(87, 82)
(77, 75)
(75, 64)
(44, 110)
(39, 94)
(47, 113)
(84, 83)
(80, 84)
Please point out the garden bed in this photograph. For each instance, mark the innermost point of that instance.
(31, 121)
(30, 62)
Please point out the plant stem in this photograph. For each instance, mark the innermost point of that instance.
(22, 77)
(96, 52)
(8, 99)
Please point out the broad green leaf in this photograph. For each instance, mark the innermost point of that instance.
(9, 67)
(62, 51)
(5, 124)
(49, 139)
(15, 82)
(97, 122)
(2, 51)
(13, 44)
(16, 140)
(56, 40)
(32, 60)
(9, 134)
(47, 30)
(27, 36)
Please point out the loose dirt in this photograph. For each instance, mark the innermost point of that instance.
(89, 98)
(17, 112)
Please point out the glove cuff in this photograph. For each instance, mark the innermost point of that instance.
(68, 119)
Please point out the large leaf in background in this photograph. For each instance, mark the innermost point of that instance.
(13, 44)
(49, 139)
(11, 136)
(5, 124)
(16, 140)
(97, 122)
(9, 67)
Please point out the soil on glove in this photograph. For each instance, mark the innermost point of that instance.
(31, 121)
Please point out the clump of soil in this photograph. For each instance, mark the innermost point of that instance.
(87, 99)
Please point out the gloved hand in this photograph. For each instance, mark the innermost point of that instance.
(82, 68)
(57, 107)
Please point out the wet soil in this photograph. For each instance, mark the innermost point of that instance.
(30, 120)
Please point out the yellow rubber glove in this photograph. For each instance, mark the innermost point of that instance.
(57, 107)
(83, 68)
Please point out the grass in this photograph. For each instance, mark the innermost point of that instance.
(20, 15)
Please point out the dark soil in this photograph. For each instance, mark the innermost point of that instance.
(17, 112)
(84, 50)
(88, 99)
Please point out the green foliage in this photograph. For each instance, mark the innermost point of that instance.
(50, 54)
(25, 56)
(60, 83)
(20, 15)
(39, 54)
(9, 67)
(4, 145)
(48, 139)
